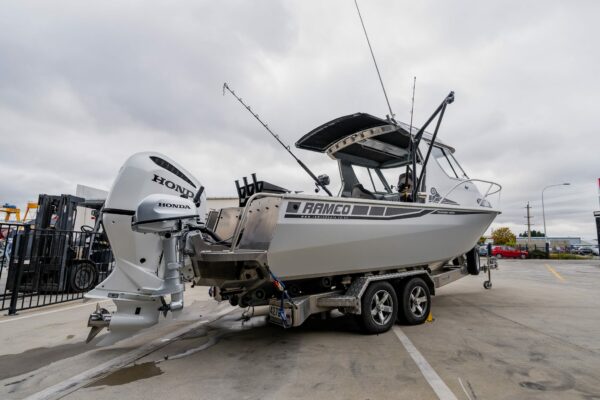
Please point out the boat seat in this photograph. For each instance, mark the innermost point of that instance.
(392, 197)
(359, 192)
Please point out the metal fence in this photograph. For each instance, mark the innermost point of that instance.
(43, 267)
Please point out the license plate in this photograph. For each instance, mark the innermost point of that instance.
(274, 312)
(275, 318)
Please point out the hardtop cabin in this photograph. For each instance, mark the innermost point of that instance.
(378, 154)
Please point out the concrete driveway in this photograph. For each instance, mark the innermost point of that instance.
(534, 335)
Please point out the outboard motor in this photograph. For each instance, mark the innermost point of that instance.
(166, 215)
(151, 204)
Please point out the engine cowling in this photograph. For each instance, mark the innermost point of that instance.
(151, 194)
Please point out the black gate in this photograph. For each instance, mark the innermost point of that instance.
(40, 267)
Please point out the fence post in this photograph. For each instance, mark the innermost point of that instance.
(21, 248)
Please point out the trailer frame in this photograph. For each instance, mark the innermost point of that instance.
(298, 309)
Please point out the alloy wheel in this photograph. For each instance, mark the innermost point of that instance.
(382, 306)
(418, 301)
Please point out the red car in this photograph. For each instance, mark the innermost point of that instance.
(508, 252)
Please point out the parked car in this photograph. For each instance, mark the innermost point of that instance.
(585, 251)
(483, 250)
(574, 250)
(508, 252)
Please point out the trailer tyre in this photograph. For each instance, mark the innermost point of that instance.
(415, 302)
(83, 276)
(379, 308)
(473, 262)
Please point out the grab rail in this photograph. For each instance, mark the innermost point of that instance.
(487, 193)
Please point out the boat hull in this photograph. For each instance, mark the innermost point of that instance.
(354, 236)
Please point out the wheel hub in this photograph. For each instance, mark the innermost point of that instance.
(418, 301)
(381, 307)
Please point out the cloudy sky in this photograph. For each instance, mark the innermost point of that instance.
(83, 85)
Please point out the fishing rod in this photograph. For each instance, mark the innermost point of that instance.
(411, 145)
(286, 147)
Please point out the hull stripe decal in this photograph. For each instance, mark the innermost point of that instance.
(416, 214)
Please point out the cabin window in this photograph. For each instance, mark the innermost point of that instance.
(369, 179)
(456, 165)
(448, 163)
(392, 175)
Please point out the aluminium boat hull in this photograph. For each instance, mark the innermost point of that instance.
(306, 236)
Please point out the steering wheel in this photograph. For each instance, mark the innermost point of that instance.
(87, 229)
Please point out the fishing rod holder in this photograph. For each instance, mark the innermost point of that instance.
(248, 189)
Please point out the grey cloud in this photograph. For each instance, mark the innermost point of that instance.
(83, 86)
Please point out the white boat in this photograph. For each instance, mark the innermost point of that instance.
(305, 236)
(379, 224)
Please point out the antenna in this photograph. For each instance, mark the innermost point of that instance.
(412, 104)
(286, 147)
(392, 115)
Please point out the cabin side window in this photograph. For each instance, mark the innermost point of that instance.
(448, 163)
(369, 179)
(462, 174)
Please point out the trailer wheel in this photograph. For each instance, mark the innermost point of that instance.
(416, 302)
(379, 307)
(473, 262)
(83, 276)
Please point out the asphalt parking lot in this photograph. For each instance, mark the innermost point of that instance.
(534, 335)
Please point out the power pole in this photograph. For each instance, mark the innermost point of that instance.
(528, 225)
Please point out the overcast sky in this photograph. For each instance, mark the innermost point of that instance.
(83, 85)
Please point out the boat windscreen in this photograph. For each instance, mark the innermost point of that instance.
(448, 163)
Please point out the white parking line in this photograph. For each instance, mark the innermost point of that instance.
(50, 312)
(442, 391)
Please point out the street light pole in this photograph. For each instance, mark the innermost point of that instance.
(543, 209)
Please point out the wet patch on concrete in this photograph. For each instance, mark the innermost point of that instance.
(130, 374)
(70, 337)
(16, 364)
